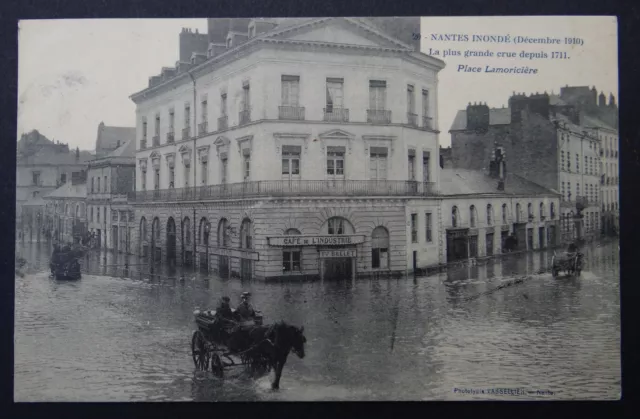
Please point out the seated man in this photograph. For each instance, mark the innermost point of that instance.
(573, 248)
(245, 310)
(224, 309)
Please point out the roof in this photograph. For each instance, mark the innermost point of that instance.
(108, 137)
(48, 156)
(475, 182)
(128, 149)
(591, 122)
(68, 190)
(555, 100)
(38, 201)
(497, 116)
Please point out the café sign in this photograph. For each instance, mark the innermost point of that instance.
(335, 240)
(235, 253)
(340, 253)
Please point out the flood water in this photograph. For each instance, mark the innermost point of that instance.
(109, 338)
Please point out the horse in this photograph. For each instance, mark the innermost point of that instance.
(263, 348)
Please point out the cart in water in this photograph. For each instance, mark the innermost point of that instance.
(568, 262)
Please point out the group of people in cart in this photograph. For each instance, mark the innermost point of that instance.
(243, 313)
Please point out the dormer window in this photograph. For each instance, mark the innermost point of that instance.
(252, 30)
(229, 42)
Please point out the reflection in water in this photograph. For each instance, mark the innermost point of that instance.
(128, 337)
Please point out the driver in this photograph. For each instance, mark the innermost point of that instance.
(224, 309)
(245, 309)
(572, 248)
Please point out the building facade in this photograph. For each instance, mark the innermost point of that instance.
(297, 148)
(110, 181)
(548, 141)
(65, 211)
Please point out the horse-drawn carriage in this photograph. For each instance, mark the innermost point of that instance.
(65, 264)
(569, 261)
(221, 343)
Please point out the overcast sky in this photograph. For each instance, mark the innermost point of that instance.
(73, 74)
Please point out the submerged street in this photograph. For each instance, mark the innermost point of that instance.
(109, 338)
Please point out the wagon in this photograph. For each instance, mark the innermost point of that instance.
(208, 347)
(569, 262)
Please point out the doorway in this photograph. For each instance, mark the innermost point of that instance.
(337, 268)
(541, 242)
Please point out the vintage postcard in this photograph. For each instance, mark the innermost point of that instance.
(318, 209)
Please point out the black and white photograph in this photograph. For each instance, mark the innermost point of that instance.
(317, 209)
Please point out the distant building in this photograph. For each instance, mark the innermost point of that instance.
(43, 166)
(110, 138)
(549, 140)
(110, 179)
(65, 216)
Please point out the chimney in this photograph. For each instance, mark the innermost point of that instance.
(118, 144)
(478, 116)
(498, 166)
(77, 154)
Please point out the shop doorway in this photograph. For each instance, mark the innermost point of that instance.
(338, 268)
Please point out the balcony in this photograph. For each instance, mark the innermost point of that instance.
(294, 113)
(223, 123)
(143, 144)
(202, 128)
(376, 116)
(412, 119)
(427, 122)
(244, 117)
(186, 133)
(171, 137)
(284, 188)
(155, 140)
(332, 114)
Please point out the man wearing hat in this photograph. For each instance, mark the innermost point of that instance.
(224, 309)
(245, 309)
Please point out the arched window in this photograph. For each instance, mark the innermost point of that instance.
(204, 231)
(380, 248)
(156, 231)
(143, 228)
(223, 236)
(186, 231)
(455, 217)
(245, 234)
(530, 211)
(472, 216)
(505, 214)
(518, 213)
(292, 256)
(336, 225)
(489, 215)
(552, 211)
(542, 211)
(66, 210)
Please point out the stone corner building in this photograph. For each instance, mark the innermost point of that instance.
(289, 148)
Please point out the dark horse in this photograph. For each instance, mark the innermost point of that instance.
(264, 348)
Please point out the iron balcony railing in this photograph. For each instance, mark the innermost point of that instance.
(412, 119)
(295, 113)
(244, 116)
(377, 116)
(143, 144)
(171, 137)
(427, 122)
(223, 122)
(336, 114)
(156, 140)
(186, 131)
(202, 128)
(284, 188)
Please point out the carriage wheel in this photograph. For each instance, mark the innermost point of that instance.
(199, 351)
(216, 365)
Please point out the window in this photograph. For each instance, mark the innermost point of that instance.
(504, 214)
(377, 94)
(172, 118)
(530, 211)
(414, 228)
(172, 177)
(157, 179)
(291, 162)
(252, 31)
(552, 211)
(411, 100)
(63, 178)
(472, 216)
(577, 163)
(518, 213)
(98, 184)
(335, 225)
(91, 214)
(335, 94)
(541, 211)
(586, 165)
(563, 190)
(204, 172)
(106, 188)
(223, 170)
(562, 160)
(577, 189)
(246, 156)
(187, 115)
(292, 258)
(98, 214)
(203, 109)
(428, 219)
(245, 105)
(290, 90)
(223, 104)
(412, 164)
(35, 178)
(143, 178)
(454, 217)
(378, 163)
(144, 129)
(157, 131)
(425, 103)
(335, 161)
(489, 215)
(568, 191)
(186, 228)
(380, 248)
(426, 157)
(185, 174)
